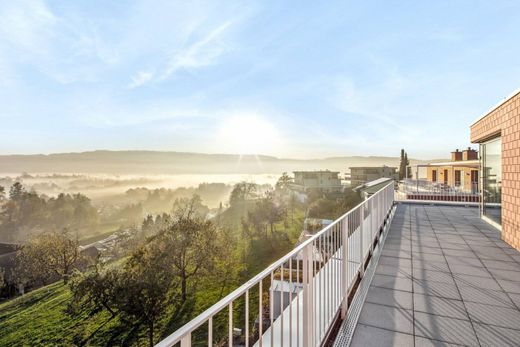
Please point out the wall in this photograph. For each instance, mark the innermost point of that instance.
(505, 120)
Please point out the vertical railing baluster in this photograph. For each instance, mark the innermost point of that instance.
(247, 318)
(281, 304)
(210, 331)
(260, 313)
(271, 307)
(230, 320)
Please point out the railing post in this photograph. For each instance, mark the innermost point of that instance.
(362, 253)
(186, 340)
(344, 261)
(307, 304)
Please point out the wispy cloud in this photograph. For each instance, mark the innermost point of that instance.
(201, 53)
(140, 79)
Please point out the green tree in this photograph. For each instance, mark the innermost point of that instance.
(404, 165)
(2, 193)
(242, 192)
(95, 290)
(16, 191)
(283, 182)
(145, 286)
(50, 253)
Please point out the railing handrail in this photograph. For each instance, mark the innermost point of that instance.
(196, 322)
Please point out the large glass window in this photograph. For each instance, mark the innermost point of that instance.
(491, 152)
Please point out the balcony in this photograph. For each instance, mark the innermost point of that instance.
(384, 274)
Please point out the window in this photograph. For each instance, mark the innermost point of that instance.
(492, 179)
(434, 175)
(457, 178)
(446, 176)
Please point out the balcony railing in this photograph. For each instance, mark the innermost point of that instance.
(296, 300)
(410, 189)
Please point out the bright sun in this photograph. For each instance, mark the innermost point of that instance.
(248, 135)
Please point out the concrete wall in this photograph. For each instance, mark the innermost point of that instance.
(504, 120)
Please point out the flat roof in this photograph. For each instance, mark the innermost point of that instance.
(453, 163)
(500, 103)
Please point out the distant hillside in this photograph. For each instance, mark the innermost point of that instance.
(155, 162)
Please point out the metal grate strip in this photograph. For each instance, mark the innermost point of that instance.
(346, 331)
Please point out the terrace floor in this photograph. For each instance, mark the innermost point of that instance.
(444, 278)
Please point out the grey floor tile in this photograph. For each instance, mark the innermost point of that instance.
(430, 265)
(494, 315)
(502, 265)
(445, 329)
(368, 336)
(396, 253)
(390, 297)
(485, 296)
(444, 290)
(493, 336)
(392, 282)
(515, 298)
(395, 261)
(439, 306)
(452, 260)
(424, 249)
(507, 275)
(386, 317)
(427, 275)
(477, 282)
(429, 257)
(424, 342)
(470, 270)
(399, 271)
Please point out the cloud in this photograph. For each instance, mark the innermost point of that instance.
(140, 79)
(201, 53)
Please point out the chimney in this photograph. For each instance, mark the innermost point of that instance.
(456, 156)
(469, 154)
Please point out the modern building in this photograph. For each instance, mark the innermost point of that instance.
(363, 174)
(498, 134)
(461, 172)
(325, 181)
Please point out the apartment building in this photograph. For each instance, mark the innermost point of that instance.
(325, 180)
(498, 134)
(363, 174)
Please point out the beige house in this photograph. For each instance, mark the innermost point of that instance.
(363, 174)
(461, 172)
(326, 181)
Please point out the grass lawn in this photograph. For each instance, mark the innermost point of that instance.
(39, 319)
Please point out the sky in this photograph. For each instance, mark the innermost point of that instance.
(300, 79)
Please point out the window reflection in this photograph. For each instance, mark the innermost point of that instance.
(492, 179)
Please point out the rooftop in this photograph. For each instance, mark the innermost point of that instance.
(443, 275)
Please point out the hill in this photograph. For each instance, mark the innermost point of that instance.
(156, 162)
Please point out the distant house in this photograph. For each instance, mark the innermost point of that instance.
(461, 172)
(363, 174)
(325, 181)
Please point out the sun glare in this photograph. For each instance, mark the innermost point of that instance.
(248, 135)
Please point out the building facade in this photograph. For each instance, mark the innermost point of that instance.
(363, 174)
(498, 134)
(325, 181)
(461, 172)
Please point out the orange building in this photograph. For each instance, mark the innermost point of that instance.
(462, 172)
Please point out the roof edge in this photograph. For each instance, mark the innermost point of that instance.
(507, 98)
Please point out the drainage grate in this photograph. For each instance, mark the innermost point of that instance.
(346, 331)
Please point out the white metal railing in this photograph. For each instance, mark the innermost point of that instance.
(411, 189)
(296, 300)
